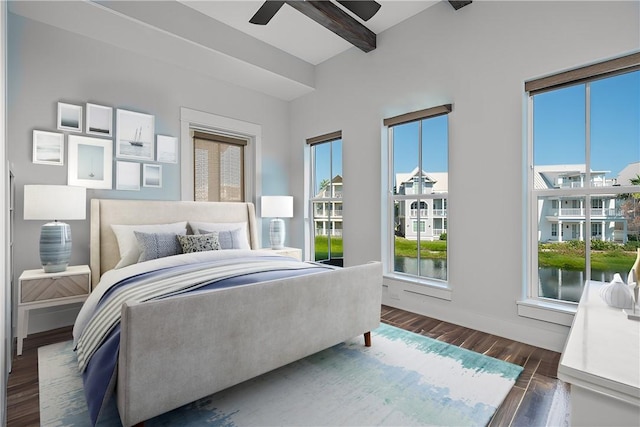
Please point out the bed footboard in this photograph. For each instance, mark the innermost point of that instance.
(178, 350)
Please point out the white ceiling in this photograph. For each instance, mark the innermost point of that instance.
(294, 33)
(277, 59)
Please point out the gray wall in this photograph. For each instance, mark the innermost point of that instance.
(47, 65)
(476, 58)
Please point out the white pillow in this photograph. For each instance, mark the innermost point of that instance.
(223, 226)
(128, 244)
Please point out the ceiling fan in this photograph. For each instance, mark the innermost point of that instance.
(330, 16)
(363, 9)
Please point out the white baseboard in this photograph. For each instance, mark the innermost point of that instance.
(536, 333)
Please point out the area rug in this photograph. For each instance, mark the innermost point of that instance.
(403, 379)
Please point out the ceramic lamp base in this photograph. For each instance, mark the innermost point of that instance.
(276, 233)
(55, 246)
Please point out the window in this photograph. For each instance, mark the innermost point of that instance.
(584, 171)
(218, 167)
(326, 198)
(418, 184)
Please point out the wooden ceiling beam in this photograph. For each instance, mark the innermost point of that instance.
(335, 19)
(457, 4)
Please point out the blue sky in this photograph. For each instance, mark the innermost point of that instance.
(559, 131)
(559, 124)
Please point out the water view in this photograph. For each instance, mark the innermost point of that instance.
(556, 283)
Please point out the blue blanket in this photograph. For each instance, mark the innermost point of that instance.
(100, 341)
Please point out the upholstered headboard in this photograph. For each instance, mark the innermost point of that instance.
(104, 212)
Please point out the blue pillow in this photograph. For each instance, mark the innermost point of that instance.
(229, 239)
(157, 245)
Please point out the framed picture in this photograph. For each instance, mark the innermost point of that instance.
(90, 162)
(48, 148)
(166, 149)
(69, 117)
(152, 175)
(99, 120)
(127, 176)
(134, 135)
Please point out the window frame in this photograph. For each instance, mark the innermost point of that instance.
(430, 286)
(328, 203)
(218, 140)
(195, 119)
(533, 305)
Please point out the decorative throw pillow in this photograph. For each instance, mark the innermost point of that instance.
(128, 245)
(242, 239)
(231, 239)
(158, 245)
(199, 242)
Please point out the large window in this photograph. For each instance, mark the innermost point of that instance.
(218, 167)
(326, 198)
(418, 184)
(584, 172)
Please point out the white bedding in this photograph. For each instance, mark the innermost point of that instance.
(112, 277)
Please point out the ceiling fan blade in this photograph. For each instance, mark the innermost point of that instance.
(266, 12)
(364, 9)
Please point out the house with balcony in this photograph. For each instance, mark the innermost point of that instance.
(327, 209)
(426, 216)
(563, 217)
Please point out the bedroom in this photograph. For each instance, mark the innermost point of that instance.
(477, 58)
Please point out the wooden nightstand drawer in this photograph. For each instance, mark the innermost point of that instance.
(54, 287)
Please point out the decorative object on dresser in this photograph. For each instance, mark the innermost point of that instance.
(277, 207)
(57, 202)
(38, 289)
(616, 293)
(633, 279)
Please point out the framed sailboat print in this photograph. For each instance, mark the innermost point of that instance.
(135, 133)
(90, 162)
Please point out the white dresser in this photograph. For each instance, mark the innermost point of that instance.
(601, 361)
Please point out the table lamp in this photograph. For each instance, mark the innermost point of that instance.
(47, 202)
(277, 207)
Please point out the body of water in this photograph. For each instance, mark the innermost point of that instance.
(556, 283)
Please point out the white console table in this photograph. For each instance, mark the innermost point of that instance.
(601, 361)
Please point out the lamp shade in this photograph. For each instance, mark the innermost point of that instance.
(277, 206)
(47, 202)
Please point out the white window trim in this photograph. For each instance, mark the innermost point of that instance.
(309, 214)
(189, 119)
(421, 285)
(532, 305)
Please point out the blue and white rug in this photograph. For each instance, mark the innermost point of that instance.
(403, 379)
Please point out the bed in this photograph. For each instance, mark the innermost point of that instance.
(180, 347)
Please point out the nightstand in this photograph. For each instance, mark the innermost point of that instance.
(292, 252)
(37, 289)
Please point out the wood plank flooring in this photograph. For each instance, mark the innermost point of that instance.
(537, 399)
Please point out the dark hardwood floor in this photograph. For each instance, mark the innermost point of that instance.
(537, 399)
